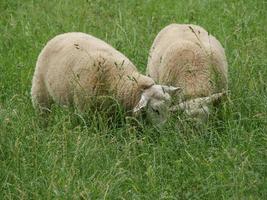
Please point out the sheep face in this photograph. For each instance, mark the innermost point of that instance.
(157, 101)
(198, 108)
(198, 112)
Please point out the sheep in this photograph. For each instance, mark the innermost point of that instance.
(74, 68)
(187, 56)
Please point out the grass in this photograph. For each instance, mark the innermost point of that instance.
(63, 157)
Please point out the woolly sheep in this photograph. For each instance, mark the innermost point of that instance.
(73, 68)
(188, 56)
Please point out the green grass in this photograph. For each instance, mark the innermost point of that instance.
(63, 157)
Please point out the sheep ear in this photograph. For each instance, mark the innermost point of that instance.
(213, 98)
(218, 96)
(171, 89)
(142, 103)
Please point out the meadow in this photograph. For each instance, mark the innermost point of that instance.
(63, 156)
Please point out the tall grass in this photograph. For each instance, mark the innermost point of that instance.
(63, 156)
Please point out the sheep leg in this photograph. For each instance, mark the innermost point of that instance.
(40, 97)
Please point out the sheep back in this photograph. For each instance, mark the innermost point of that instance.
(187, 56)
(75, 67)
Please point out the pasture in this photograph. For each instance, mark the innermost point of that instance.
(64, 156)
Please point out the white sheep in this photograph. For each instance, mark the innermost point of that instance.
(74, 68)
(188, 56)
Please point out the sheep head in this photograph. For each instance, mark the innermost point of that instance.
(198, 108)
(157, 101)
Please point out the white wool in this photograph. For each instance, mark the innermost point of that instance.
(187, 56)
